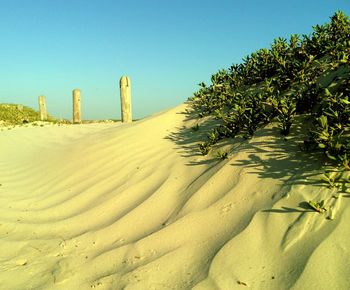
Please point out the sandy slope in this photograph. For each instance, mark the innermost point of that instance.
(112, 206)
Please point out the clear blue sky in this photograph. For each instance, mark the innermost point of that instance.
(49, 47)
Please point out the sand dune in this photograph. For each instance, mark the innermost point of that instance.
(132, 206)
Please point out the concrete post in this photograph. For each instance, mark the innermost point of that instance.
(42, 108)
(76, 107)
(125, 99)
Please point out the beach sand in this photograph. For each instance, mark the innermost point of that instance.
(134, 206)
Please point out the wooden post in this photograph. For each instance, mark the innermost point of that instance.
(76, 107)
(125, 99)
(42, 108)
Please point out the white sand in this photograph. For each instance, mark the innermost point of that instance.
(113, 206)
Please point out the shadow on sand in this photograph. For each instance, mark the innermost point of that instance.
(303, 207)
(269, 154)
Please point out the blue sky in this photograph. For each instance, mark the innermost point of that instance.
(50, 47)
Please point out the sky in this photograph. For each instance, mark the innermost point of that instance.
(50, 47)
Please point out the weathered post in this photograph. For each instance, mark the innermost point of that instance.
(42, 108)
(76, 106)
(125, 99)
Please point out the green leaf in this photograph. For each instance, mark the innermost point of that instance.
(327, 93)
(323, 121)
(331, 157)
(321, 204)
(314, 205)
(345, 101)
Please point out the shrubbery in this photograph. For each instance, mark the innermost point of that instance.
(307, 74)
(13, 114)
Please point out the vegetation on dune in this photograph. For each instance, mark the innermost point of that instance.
(318, 206)
(13, 114)
(306, 75)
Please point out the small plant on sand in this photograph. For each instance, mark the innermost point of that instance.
(286, 110)
(204, 148)
(318, 206)
(213, 137)
(332, 178)
(222, 154)
(195, 128)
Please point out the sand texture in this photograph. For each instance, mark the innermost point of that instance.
(133, 206)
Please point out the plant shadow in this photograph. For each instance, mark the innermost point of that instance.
(302, 207)
(268, 154)
(188, 138)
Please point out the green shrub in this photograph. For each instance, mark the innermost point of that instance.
(281, 82)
